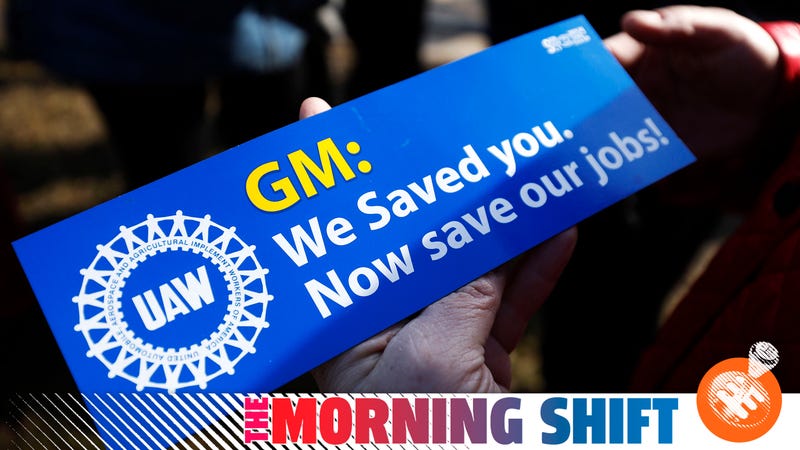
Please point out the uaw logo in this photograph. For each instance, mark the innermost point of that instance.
(739, 399)
(172, 302)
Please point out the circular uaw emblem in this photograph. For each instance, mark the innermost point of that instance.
(172, 302)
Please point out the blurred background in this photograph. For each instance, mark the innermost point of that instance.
(92, 93)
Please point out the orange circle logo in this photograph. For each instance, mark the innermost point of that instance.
(739, 399)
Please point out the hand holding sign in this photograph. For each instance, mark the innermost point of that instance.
(690, 63)
(460, 343)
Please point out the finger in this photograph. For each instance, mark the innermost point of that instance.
(625, 48)
(530, 286)
(345, 372)
(683, 25)
(466, 315)
(312, 106)
(499, 363)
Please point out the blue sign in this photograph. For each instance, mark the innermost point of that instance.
(246, 270)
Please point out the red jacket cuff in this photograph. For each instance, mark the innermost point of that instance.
(787, 35)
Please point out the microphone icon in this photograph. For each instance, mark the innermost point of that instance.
(762, 357)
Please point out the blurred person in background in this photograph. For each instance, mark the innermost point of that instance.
(149, 65)
(730, 87)
(386, 37)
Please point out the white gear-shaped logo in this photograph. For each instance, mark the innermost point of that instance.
(111, 341)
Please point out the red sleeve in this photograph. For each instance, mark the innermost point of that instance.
(787, 35)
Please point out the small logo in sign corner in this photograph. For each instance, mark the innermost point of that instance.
(571, 38)
(739, 399)
(172, 302)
